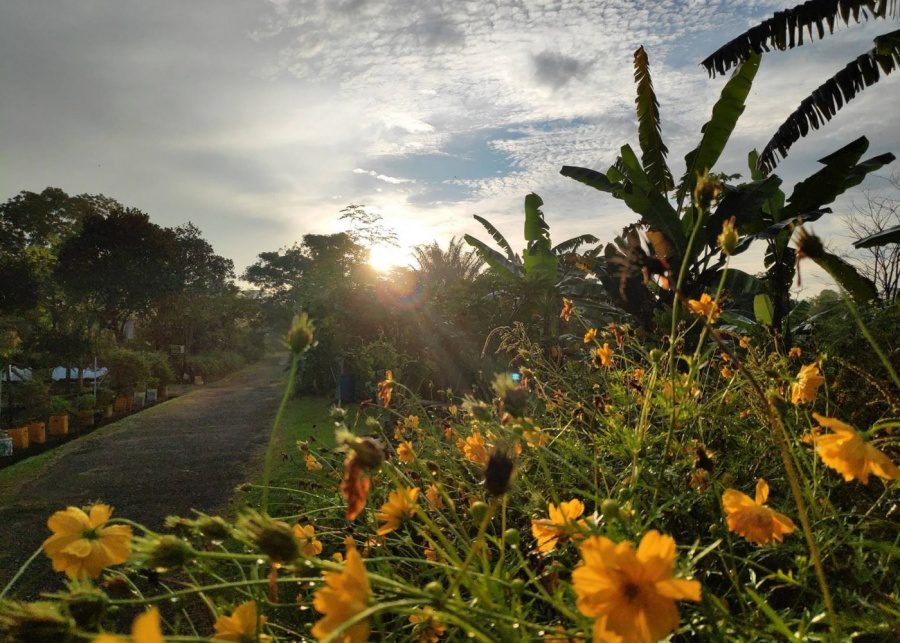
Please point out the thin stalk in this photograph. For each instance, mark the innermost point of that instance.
(21, 571)
(273, 436)
(868, 335)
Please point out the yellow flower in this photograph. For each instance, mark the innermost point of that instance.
(744, 342)
(405, 452)
(727, 373)
(311, 463)
(639, 373)
(144, 629)
(474, 449)
(386, 388)
(849, 454)
(809, 379)
(604, 355)
(400, 504)
(433, 496)
(306, 536)
(82, 545)
(431, 554)
(346, 594)
(427, 627)
(411, 422)
(568, 308)
(590, 335)
(631, 594)
(728, 238)
(242, 625)
(752, 519)
(562, 523)
(706, 306)
(536, 438)
(795, 352)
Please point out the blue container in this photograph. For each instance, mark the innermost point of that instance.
(346, 389)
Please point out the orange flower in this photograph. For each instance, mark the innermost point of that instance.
(411, 422)
(849, 454)
(752, 519)
(82, 545)
(346, 594)
(306, 537)
(706, 306)
(427, 628)
(563, 523)
(590, 335)
(744, 342)
(474, 449)
(809, 379)
(638, 373)
(144, 629)
(386, 388)
(355, 486)
(243, 625)
(567, 309)
(631, 594)
(795, 352)
(400, 504)
(430, 554)
(433, 496)
(536, 438)
(405, 452)
(727, 373)
(604, 355)
(311, 463)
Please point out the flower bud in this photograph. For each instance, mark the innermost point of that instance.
(40, 621)
(478, 511)
(272, 537)
(728, 239)
(610, 508)
(499, 471)
(167, 552)
(301, 336)
(214, 527)
(86, 604)
(512, 536)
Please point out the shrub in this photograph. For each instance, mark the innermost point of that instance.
(86, 402)
(127, 369)
(58, 405)
(160, 368)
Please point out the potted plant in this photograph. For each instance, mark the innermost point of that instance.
(6, 445)
(105, 400)
(19, 437)
(58, 424)
(160, 371)
(35, 398)
(152, 386)
(140, 394)
(85, 405)
(127, 369)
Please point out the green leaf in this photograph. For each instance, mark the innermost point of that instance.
(718, 129)
(763, 309)
(498, 237)
(861, 288)
(493, 258)
(570, 245)
(593, 178)
(891, 235)
(535, 226)
(653, 150)
(540, 262)
(777, 622)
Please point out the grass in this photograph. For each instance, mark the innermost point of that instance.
(305, 419)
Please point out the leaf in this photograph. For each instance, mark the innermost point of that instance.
(891, 235)
(763, 309)
(785, 29)
(718, 129)
(571, 245)
(827, 100)
(746, 203)
(535, 226)
(593, 178)
(498, 237)
(779, 625)
(493, 258)
(861, 288)
(539, 260)
(653, 150)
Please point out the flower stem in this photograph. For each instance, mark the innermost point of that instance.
(273, 437)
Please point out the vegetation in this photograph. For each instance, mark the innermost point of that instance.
(624, 443)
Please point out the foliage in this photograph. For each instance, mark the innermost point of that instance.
(215, 364)
(127, 369)
(86, 402)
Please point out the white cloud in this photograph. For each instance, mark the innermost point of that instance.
(382, 177)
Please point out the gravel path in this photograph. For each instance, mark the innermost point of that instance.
(188, 453)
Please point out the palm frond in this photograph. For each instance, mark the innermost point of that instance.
(784, 30)
(653, 150)
(571, 245)
(822, 104)
(498, 237)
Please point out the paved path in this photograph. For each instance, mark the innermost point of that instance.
(188, 453)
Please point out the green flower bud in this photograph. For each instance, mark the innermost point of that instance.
(301, 336)
(272, 537)
(512, 536)
(167, 552)
(610, 508)
(478, 511)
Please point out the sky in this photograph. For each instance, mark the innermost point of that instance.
(259, 120)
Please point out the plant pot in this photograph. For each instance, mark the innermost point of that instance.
(151, 396)
(109, 411)
(163, 393)
(86, 417)
(140, 399)
(6, 447)
(58, 424)
(198, 379)
(122, 404)
(37, 432)
(19, 437)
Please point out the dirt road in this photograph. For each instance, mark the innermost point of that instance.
(188, 453)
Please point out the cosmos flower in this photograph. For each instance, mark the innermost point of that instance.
(386, 388)
(795, 352)
(82, 545)
(400, 504)
(631, 593)
(752, 519)
(405, 452)
(311, 463)
(346, 593)
(562, 523)
(475, 449)
(706, 306)
(306, 537)
(568, 308)
(243, 625)
(427, 628)
(604, 355)
(849, 454)
(590, 335)
(433, 496)
(144, 629)
(809, 379)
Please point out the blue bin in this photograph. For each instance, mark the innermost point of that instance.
(346, 388)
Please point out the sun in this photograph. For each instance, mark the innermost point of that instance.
(385, 258)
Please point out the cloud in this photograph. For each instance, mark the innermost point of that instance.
(554, 69)
(382, 177)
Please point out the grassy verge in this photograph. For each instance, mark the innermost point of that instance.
(306, 419)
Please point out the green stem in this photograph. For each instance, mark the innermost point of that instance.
(865, 331)
(21, 571)
(273, 437)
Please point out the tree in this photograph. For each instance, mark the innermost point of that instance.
(878, 214)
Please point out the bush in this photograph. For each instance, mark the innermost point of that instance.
(105, 397)
(58, 405)
(160, 368)
(215, 364)
(127, 369)
(34, 398)
(86, 402)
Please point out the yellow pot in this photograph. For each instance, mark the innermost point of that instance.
(37, 432)
(86, 417)
(59, 424)
(19, 437)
